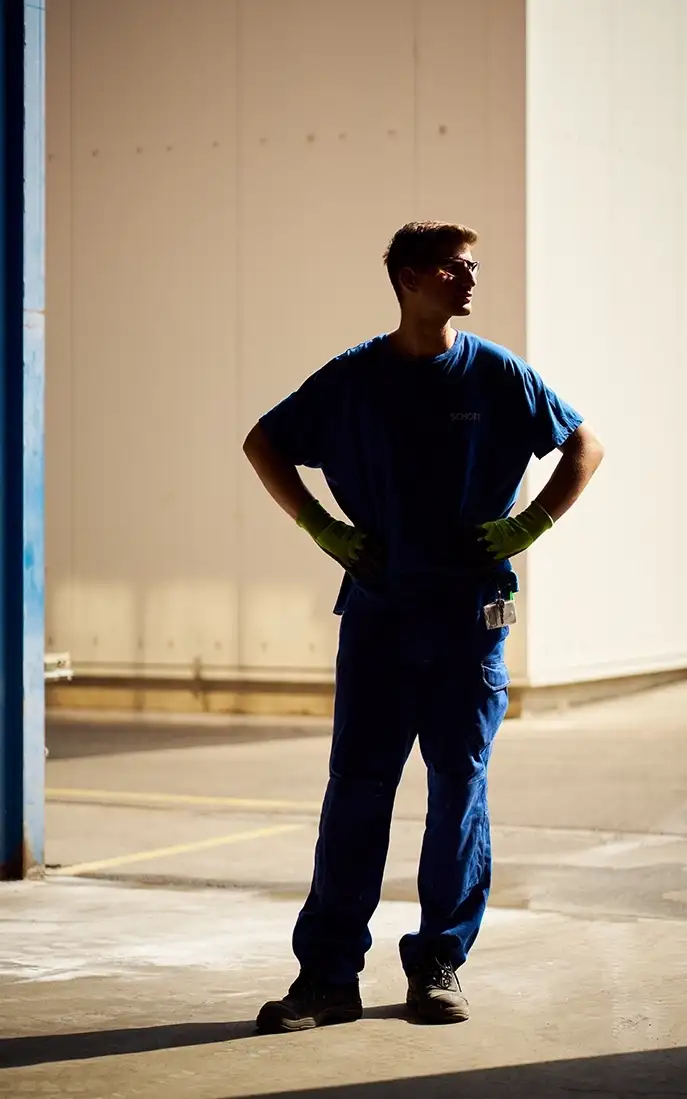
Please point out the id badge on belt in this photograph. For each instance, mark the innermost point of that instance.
(500, 613)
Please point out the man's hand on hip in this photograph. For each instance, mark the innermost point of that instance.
(358, 553)
(505, 537)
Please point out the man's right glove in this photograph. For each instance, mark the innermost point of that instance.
(358, 553)
(504, 538)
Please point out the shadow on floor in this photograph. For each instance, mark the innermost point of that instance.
(657, 1074)
(50, 1048)
(82, 739)
(42, 1049)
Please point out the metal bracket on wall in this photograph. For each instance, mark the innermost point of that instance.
(58, 666)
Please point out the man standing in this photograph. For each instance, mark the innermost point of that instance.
(423, 435)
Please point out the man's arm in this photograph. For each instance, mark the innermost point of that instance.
(582, 454)
(353, 549)
(281, 479)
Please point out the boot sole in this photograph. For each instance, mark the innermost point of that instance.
(444, 1015)
(271, 1021)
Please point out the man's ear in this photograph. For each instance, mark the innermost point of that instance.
(408, 279)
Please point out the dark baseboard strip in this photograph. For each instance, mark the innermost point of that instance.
(279, 699)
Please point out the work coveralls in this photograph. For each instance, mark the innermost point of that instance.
(417, 452)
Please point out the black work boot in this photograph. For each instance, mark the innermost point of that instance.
(311, 1002)
(435, 994)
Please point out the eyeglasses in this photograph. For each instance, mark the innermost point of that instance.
(457, 267)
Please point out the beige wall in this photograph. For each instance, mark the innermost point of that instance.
(223, 178)
(607, 324)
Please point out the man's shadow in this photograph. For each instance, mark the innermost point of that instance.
(43, 1049)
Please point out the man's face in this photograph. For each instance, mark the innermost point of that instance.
(444, 289)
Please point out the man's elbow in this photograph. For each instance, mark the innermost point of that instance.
(253, 440)
(259, 449)
(584, 443)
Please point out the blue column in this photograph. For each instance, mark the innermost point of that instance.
(22, 300)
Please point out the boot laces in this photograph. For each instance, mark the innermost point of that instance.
(442, 974)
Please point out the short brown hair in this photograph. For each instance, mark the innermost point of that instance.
(421, 243)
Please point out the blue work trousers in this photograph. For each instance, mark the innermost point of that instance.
(439, 676)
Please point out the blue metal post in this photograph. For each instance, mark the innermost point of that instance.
(22, 298)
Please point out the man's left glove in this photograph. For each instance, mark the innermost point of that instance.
(505, 537)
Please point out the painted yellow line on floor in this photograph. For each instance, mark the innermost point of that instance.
(178, 849)
(130, 797)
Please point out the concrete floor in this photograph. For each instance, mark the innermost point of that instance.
(180, 856)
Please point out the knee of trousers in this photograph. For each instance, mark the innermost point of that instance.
(463, 790)
(360, 791)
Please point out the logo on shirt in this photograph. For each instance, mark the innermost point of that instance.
(463, 417)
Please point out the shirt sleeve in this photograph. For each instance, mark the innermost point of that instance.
(550, 419)
(297, 426)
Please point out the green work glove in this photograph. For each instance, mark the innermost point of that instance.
(355, 551)
(505, 537)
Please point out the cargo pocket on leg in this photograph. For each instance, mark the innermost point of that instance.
(495, 676)
(494, 704)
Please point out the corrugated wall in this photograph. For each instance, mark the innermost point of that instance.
(222, 180)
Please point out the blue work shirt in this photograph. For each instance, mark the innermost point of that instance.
(418, 450)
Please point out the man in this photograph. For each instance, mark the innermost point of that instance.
(423, 435)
